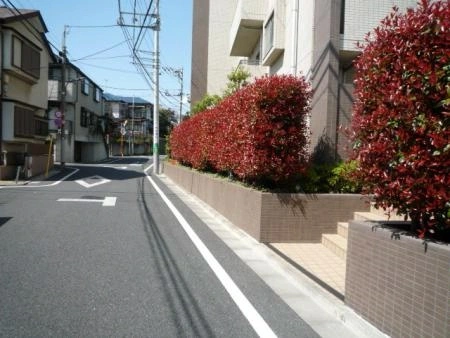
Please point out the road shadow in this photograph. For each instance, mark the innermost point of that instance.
(177, 292)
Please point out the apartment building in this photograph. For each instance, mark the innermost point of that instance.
(82, 138)
(24, 58)
(316, 38)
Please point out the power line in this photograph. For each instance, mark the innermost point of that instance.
(101, 51)
(101, 26)
(106, 68)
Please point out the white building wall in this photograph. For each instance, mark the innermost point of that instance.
(304, 37)
(362, 16)
(220, 64)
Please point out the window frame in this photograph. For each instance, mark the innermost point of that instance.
(26, 57)
(269, 34)
(85, 87)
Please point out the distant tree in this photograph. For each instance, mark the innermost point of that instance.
(167, 118)
(236, 80)
(208, 101)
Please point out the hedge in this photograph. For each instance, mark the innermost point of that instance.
(258, 134)
(401, 119)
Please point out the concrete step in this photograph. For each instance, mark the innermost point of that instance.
(386, 214)
(336, 243)
(369, 216)
(342, 229)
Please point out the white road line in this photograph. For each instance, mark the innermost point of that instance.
(109, 201)
(248, 310)
(41, 186)
(106, 202)
(101, 180)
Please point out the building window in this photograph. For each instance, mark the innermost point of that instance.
(23, 122)
(97, 94)
(92, 119)
(84, 117)
(41, 126)
(26, 58)
(268, 35)
(85, 87)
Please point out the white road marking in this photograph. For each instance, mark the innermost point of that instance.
(101, 180)
(114, 167)
(248, 310)
(106, 202)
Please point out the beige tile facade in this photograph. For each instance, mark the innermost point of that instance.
(396, 284)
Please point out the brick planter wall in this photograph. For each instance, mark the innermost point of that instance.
(396, 285)
(269, 217)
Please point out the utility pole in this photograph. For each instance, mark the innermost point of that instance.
(179, 74)
(132, 128)
(63, 93)
(155, 78)
(156, 29)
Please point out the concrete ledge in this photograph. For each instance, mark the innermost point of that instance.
(269, 217)
(397, 285)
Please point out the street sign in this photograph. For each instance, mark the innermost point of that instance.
(123, 131)
(58, 122)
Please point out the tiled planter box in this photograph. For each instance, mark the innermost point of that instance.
(269, 217)
(395, 284)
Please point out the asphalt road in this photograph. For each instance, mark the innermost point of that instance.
(100, 253)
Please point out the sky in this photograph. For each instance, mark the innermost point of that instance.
(103, 54)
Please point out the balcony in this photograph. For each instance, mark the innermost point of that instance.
(247, 26)
(54, 91)
(254, 67)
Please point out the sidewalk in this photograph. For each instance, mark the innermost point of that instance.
(37, 178)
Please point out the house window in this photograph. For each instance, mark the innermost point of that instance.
(92, 119)
(97, 94)
(26, 57)
(84, 117)
(268, 35)
(85, 87)
(23, 122)
(41, 126)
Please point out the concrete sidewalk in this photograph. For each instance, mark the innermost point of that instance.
(42, 177)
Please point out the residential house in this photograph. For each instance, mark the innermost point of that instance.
(130, 124)
(316, 38)
(24, 58)
(82, 138)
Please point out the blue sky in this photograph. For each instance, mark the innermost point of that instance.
(113, 69)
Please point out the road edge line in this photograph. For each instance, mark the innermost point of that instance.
(248, 310)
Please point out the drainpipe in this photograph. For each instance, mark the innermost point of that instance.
(295, 5)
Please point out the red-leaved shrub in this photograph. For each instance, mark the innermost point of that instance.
(401, 120)
(259, 134)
